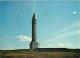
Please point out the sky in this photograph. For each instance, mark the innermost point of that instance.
(58, 24)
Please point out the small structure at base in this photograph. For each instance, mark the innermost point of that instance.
(34, 44)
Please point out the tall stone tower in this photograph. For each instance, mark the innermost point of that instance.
(34, 43)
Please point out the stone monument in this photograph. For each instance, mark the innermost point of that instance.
(34, 44)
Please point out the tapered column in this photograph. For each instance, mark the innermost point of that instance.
(34, 43)
(34, 28)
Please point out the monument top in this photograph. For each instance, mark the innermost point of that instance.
(34, 17)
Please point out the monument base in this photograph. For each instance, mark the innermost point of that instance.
(34, 45)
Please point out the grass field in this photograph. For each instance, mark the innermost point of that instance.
(34, 54)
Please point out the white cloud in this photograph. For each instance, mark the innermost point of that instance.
(60, 45)
(68, 28)
(74, 12)
(67, 45)
(0, 39)
(67, 34)
(79, 47)
(23, 38)
(51, 46)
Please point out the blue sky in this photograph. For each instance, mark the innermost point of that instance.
(58, 24)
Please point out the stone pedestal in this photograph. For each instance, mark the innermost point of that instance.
(34, 45)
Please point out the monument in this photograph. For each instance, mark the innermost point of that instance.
(34, 44)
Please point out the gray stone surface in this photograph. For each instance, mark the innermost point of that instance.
(34, 43)
(34, 28)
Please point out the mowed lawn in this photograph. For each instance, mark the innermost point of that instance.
(32, 54)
